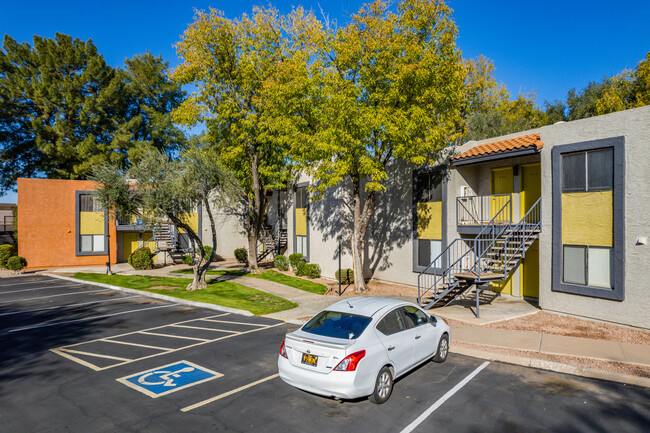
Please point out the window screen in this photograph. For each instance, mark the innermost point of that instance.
(600, 267)
(301, 197)
(573, 172)
(600, 170)
(575, 265)
(424, 252)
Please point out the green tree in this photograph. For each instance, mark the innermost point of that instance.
(237, 65)
(162, 188)
(387, 86)
(64, 110)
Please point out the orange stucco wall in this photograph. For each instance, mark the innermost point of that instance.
(46, 224)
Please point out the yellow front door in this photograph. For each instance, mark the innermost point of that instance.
(530, 272)
(531, 191)
(501, 182)
(129, 244)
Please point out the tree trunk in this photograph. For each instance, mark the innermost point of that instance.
(199, 277)
(256, 212)
(357, 240)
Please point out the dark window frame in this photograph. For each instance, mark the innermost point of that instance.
(77, 237)
(295, 207)
(617, 293)
(440, 171)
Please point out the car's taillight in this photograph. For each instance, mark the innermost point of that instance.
(283, 351)
(350, 362)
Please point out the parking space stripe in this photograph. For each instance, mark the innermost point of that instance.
(147, 346)
(97, 355)
(41, 288)
(202, 328)
(52, 296)
(75, 359)
(229, 393)
(67, 306)
(173, 336)
(135, 332)
(409, 428)
(29, 282)
(64, 322)
(236, 323)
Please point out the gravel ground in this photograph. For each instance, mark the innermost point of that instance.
(596, 364)
(550, 323)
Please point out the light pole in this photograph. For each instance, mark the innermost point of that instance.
(339, 238)
(108, 263)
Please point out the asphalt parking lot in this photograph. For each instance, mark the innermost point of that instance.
(79, 358)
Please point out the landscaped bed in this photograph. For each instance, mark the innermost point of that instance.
(218, 292)
(271, 275)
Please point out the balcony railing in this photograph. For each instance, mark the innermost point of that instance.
(480, 210)
(7, 224)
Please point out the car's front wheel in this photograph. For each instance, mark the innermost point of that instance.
(443, 349)
(383, 386)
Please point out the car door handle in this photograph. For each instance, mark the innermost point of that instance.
(391, 347)
(417, 337)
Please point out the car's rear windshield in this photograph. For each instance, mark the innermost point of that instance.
(337, 325)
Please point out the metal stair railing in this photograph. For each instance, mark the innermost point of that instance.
(514, 243)
(459, 256)
(476, 209)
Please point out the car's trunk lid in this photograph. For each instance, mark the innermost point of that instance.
(302, 346)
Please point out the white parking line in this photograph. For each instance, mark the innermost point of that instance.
(52, 296)
(409, 428)
(174, 336)
(229, 393)
(98, 355)
(203, 328)
(67, 306)
(41, 288)
(235, 323)
(146, 346)
(28, 282)
(63, 322)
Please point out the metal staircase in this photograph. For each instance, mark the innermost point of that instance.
(272, 241)
(164, 239)
(491, 256)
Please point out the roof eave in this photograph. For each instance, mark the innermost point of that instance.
(511, 153)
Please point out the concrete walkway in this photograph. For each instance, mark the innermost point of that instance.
(502, 308)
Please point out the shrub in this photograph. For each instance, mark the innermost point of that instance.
(281, 262)
(346, 277)
(141, 259)
(295, 260)
(6, 251)
(311, 270)
(241, 255)
(300, 269)
(16, 263)
(206, 253)
(187, 259)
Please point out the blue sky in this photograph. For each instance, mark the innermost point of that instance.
(548, 47)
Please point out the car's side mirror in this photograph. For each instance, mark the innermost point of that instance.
(433, 320)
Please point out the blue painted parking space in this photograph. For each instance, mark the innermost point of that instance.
(168, 378)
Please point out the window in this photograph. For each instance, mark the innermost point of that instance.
(392, 323)
(588, 171)
(301, 197)
(428, 187)
(588, 218)
(428, 250)
(91, 225)
(337, 325)
(588, 266)
(414, 317)
(301, 245)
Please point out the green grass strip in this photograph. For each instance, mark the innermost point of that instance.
(224, 293)
(271, 275)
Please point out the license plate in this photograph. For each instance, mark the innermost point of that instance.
(309, 359)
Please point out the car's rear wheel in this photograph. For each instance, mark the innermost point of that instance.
(383, 386)
(443, 349)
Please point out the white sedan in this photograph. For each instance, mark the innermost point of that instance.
(358, 347)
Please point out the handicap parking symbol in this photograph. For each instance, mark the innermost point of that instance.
(168, 378)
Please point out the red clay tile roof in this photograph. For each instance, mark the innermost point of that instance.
(523, 142)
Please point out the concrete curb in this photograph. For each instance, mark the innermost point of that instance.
(552, 366)
(155, 295)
